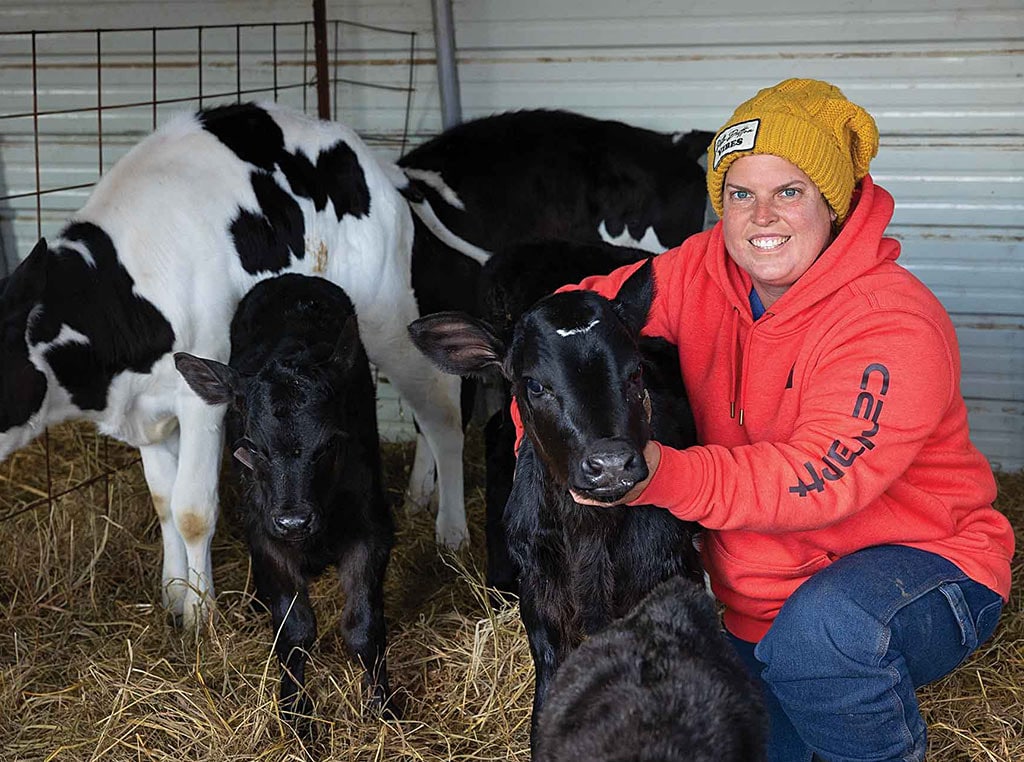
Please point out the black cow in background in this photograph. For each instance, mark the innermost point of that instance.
(530, 176)
(536, 175)
(302, 421)
(590, 401)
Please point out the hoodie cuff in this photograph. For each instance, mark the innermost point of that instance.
(675, 468)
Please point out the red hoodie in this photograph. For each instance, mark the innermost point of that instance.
(833, 423)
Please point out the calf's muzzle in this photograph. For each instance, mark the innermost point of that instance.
(609, 469)
(293, 523)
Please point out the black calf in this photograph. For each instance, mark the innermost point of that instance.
(659, 685)
(303, 421)
(583, 388)
(511, 281)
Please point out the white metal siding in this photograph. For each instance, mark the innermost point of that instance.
(943, 78)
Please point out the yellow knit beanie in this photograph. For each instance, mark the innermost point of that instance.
(807, 122)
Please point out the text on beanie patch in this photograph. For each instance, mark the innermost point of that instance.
(739, 137)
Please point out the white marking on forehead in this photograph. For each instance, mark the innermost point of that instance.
(574, 331)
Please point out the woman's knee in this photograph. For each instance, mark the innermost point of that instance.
(822, 630)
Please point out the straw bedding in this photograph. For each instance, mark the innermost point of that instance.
(91, 670)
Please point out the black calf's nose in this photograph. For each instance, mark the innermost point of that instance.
(611, 464)
(599, 463)
(293, 522)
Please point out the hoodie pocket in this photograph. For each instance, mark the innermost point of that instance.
(760, 567)
(752, 586)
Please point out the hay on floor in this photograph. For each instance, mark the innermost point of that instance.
(90, 667)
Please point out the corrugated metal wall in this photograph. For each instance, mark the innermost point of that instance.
(944, 79)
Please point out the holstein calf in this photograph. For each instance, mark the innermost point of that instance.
(157, 260)
(302, 416)
(590, 400)
(519, 177)
(548, 174)
(661, 684)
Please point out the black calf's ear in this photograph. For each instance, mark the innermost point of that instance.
(344, 354)
(213, 381)
(458, 343)
(26, 284)
(633, 301)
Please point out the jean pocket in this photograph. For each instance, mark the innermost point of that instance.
(988, 617)
(962, 613)
(974, 630)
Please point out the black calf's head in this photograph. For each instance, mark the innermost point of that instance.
(575, 369)
(292, 425)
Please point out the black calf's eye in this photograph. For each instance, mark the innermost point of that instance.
(533, 386)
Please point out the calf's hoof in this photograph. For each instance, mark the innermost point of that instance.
(451, 534)
(296, 709)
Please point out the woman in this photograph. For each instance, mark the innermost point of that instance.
(850, 529)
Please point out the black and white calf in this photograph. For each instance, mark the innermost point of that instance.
(548, 174)
(520, 177)
(302, 419)
(661, 684)
(590, 400)
(157, 260)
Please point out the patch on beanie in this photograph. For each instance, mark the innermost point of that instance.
(739, 137)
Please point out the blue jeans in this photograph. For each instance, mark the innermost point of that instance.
(840, 664)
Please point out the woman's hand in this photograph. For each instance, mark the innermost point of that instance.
(652, 454)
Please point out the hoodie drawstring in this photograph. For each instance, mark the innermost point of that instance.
(734, 334)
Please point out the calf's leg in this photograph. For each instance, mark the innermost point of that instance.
(499, 445)
(545, 647)
(434, 398)
(422, 476)
(194, 501)
(160, 466)
(283, 589)
(361, 572)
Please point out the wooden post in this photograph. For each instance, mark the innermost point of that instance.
(323, 83)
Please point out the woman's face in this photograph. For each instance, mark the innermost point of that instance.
(775, 222)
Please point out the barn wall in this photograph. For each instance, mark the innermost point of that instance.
(943, 78)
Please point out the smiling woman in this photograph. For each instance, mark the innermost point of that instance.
(843, 501)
